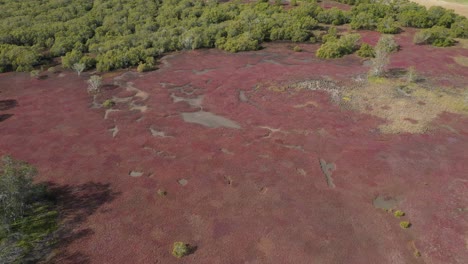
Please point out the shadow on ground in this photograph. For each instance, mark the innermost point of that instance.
(76, 203)
(8, 104)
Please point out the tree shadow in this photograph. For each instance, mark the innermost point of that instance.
(8, 104)
(4, 117)
(75, 204)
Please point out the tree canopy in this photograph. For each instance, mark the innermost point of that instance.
(112, 34)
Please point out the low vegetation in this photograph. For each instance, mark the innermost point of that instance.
(113, 34)
(28, 214)
(181, 249)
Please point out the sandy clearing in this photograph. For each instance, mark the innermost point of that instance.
(461, 9)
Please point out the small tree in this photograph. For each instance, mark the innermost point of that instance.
(387, 43)
(379, 63)
(411, 75)
(94, 83)
(78, 67)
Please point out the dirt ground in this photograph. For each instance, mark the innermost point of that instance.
(255, 171)
(459, 7)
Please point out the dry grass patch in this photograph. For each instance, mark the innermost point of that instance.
(408, 108)
(461, 60)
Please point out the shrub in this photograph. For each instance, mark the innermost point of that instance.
(363, 21)
(459, 28)
(437, 36)
(388, 25)
(78, 67)
(71, 58)
(242, 42)
(297, 49)
(347, 44)
(88, 61)
(366, 51)
(379, 62)
(398, 213)
(332, 35)
(108, 103)
(181, 249)
(94, 84)
(405, 224)
(387, 43)
(144, 67)
(333, 16)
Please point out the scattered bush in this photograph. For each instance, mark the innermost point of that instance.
(363, 20)
(78, 67)
(387, 43)
(297, 49)
(366, 51)
(437, 36)
(405, 224)
(347, 44)
(459, 29)
(333, 16)
(71, 58)
(379, 62)
(398, 213)
(108, 103)
(94, 84)
(388, 25)
(181, 249)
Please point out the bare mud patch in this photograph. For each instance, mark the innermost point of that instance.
(385, 202)
(209, 119)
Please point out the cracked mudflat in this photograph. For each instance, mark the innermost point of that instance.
(236, 146)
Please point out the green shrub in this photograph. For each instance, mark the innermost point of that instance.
(388, 25)
(332, 35)
(437, 36)
(71, 58)
(181, 249)
(387, 43)
(399, 213)
(297, 49)
(333, 16)
(347, 44)
(366, 51)
(144, 67)
(242, 42)
(108, 103)
(88, 61)
(405, 224)
(363, 21)
(459, 29)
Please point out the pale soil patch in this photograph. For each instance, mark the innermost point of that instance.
(407, 108)
(461, 60)
(459, 7)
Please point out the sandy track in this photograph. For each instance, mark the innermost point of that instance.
(461, 9)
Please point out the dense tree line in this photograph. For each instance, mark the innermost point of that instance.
(112, 34)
